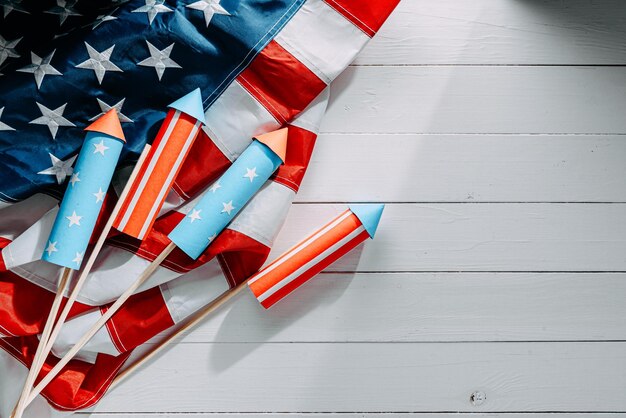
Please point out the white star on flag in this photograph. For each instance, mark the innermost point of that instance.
(195, 215)
(4, 126)
(61, 169)
(74, 179)
(251, 174)
(51, 248)
(209, 8)
(40, 67)
(7, 49)
(101, 19)
(159, 59)
(99, 62)
(12, 5)
(100, 148)
(152, 8)
(228, 207)
(52, 118)
(100, 195)
(63, 9)
(215, 186)
(74, 219)
(78, 259)
(104, 107)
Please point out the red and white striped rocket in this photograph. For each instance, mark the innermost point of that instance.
(160, 168)
(315, 253)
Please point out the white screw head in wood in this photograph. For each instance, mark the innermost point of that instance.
(478, 398)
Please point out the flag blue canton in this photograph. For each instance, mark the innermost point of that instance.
(90, 56)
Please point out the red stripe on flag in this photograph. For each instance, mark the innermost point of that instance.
(281, 83)
(297, 282)
(79, 386)
(142, 316)
(368, 16)
(299, 150)
(203, 165)
(24, 306)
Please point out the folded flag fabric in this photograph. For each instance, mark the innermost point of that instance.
(259, 66)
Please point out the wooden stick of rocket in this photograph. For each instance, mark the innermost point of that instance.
(315, 253)
(222, 201)
(76, 219)
(287, 272)
(145, 190)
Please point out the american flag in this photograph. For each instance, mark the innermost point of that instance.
(260, 65)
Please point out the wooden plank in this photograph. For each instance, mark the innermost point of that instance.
(430, 308)
(478, 100)
(478, 237)
(370, 377)
(458, 168)
(501, 32)
(356, 415)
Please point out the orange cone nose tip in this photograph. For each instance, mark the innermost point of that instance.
(276, 141)
(108, 124)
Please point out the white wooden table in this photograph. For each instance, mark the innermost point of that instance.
(495, 131)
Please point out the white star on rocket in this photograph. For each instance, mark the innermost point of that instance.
(78, 259)
(104, 107)
(251, 174)
(159, 59)
(52, 118)
(74, 219)
(195, 215)
(152, 8)
(51, 248)
(9, 6)
(4, 126)
(228, 207)
(7, 49)
(99, 62)
(100, 195)
(215, 186)
(40, 67)
(212, 237)
(74, 178)
(61, 169)
(63, 9)
(209, 8)
(100, 148)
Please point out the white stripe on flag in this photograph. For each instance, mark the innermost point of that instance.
(12, 380)
(234, 118)
(30, 244)
(18, 217)
(170, 177)
(149, 170)
(322, 39)
(298, 247)
(73, 329)
(269, 292)
(311, 117)
(186, 294)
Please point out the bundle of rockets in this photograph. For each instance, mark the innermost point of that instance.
(138, 206)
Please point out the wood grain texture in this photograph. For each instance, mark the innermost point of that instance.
(466, 168)
(500, 32)
(355, 415)
(426, 307)
(370, 377)
(477, 237)
(469, 99)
